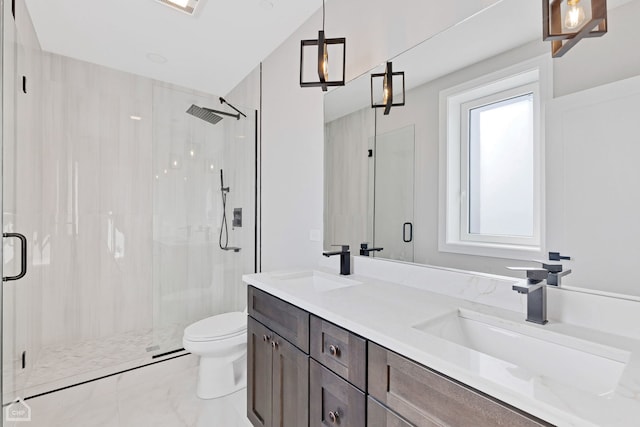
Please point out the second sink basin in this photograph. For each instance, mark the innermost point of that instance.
(317, 280)
(531, 354)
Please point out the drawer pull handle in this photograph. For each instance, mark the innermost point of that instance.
(266, 338)
(334, 350)
(334, 417)
(274, 344)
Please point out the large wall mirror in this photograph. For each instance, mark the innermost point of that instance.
(399, 183)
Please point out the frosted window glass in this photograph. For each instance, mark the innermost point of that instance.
(501, 164)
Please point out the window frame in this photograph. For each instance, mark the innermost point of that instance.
(529, 77)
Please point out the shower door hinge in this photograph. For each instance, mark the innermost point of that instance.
(370, 153)
(24, 84)
(24, 359)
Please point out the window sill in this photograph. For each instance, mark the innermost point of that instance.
(493, 250)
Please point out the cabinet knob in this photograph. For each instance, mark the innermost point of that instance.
(333, 417)
(274, 344)
(334, 350)
(266, 338)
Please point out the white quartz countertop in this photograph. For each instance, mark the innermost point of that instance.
(387, 313)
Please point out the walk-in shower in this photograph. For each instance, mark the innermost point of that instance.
(118, 195)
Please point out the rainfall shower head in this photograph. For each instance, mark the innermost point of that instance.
(205, 114)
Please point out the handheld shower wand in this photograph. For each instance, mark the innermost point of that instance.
(224, 229)
(222, 187)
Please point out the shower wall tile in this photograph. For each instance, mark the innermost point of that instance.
(126, 272)
(97, 200)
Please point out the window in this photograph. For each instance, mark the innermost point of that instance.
(491, 165)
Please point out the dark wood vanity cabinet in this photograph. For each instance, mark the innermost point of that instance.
(425, 398)
(277, 370)
(304, 371)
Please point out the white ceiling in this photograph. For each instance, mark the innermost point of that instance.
(211, 51)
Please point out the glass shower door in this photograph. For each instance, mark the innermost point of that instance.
(14, 245)
(200, 247)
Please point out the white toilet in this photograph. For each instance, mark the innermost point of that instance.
(221, 343)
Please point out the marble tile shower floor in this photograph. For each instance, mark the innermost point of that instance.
(159, 395)
(63, 365)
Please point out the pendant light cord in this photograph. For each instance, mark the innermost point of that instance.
(322, 15)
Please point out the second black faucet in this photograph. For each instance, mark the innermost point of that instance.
(345, 259)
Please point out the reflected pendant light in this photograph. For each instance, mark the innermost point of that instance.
(319, 49)
(385, 81)
(566, 22)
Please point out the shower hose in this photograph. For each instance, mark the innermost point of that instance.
(224, 230)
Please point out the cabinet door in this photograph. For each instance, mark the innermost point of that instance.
(259, 378)
(333, 401)
(426, 398)
(290, 385)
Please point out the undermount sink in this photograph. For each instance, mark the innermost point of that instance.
(520, 352)
(318, 280)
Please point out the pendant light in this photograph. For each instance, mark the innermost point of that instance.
(325, 70)
(566, 22)
(384, 81)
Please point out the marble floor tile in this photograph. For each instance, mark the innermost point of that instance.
(155, 396)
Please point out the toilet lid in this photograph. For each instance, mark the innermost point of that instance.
(217, 327)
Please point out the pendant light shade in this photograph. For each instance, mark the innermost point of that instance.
(566, 22)
(382, 89)
(322, 61)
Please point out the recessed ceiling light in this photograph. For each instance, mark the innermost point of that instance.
(137, 118)
(186, 6)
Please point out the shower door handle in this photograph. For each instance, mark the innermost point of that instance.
(405, 226)
(23, 261)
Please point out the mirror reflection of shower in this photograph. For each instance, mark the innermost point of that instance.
(224, 229)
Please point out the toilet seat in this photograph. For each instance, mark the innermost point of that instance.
(220, 327)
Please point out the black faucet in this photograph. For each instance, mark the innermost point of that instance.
(536, 293)
(535, 290)
(345, 259)
(365, 250)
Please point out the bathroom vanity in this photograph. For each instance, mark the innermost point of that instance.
(326, 350)
(328, 383)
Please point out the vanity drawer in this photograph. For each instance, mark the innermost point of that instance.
(287, 320)
(379, 416)
(427, 398)
(332, 400)
(339, 350)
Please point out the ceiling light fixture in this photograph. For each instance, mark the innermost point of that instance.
(386, 88)
(324, 45)
(186, 6)
(566, 22)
